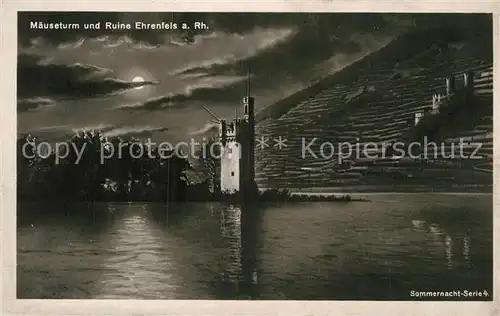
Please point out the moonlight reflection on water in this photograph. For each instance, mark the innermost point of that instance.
(376, 250)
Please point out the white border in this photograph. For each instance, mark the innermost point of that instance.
(12, 306)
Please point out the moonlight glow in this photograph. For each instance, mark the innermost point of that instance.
(138, 79)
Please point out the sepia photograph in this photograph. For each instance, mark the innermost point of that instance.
(271, 156)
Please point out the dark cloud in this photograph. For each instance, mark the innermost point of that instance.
(36, 78)
(134, 131)
(322, 35)
(153, 104)
(288, 58)
(317, 37)
(24, 105)
(226, 93)
(207, 129)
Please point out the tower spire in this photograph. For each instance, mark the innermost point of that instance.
(248, 82)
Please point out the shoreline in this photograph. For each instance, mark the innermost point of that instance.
(390, 193)
(479, 190)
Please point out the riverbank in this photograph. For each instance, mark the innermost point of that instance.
(389, 189)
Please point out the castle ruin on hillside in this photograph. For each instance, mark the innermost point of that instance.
(438, 99)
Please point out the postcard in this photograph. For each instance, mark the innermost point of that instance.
(162, 158)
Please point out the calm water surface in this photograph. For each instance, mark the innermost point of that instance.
(381, 249)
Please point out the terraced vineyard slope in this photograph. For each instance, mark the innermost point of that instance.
(375, 101)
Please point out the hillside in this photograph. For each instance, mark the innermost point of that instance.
(375, 100)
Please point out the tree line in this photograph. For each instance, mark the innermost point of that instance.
(83, 176)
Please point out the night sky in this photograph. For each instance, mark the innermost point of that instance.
(74, 79)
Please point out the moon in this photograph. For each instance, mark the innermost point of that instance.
(138, 79)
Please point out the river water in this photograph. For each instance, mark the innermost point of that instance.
(381, 249)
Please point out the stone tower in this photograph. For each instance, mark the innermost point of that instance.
(469, 80)
(450, 86)
(238, 154)
(436, 103)
(418, 117)
(468, 86)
